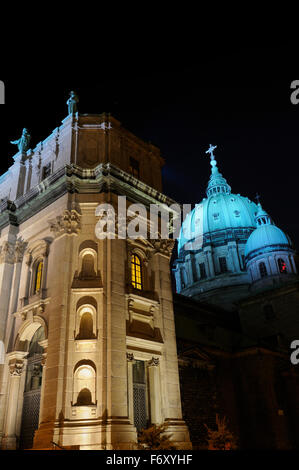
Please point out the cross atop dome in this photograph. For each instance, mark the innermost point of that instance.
(211, 150)
(257, 198)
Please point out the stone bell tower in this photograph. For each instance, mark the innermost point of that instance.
(86, 324)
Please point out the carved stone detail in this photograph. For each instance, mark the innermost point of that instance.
(164, 246)
(20, 250)
(7, 253)
(16, 367)
(130, 357)
(68, 223)
(154, 362)
(39, 249)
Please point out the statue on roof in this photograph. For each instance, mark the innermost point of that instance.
(23, 142)
(72, 103)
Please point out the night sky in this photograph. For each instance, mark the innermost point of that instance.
(233, 94)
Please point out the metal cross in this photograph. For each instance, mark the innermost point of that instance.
(210, 151)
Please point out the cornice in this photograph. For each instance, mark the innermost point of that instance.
(72, 178)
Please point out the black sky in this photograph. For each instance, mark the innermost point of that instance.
(235, 94)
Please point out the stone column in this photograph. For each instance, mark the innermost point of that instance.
(22, 174)
(25, 279)
(289, 265)
(43, 344)
(208, 252)
(7, 259)
(154, 390)
(13, 306)
(233, 256)
(16, 364)
(189, 268)
(268, 266)
(130, 362)
(177, 274)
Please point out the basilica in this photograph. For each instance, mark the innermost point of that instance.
(100, 338)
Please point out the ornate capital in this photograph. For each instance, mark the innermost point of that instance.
(68, 223)
(7, 253)
(154, 362)
(130, 357)
(164, 246)
(20, 250)
(16, 367)
(44, 344)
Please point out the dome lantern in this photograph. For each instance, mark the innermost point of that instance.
(217, 183)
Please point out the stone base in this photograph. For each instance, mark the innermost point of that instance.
(43, 437)
(113, 434)
(9, 443)
(91, 435)
(179, 434)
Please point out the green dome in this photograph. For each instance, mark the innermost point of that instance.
(266, 235)
(221, 211)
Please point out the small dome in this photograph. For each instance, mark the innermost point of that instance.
(266, 235)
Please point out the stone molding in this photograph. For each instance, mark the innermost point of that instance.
(67, 223)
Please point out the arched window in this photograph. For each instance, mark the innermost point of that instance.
(263, 269)
(88, 266)
(86, 326)
(84, 397)
(136, 272)
(84, 385)
(282, 266)
(38, 276)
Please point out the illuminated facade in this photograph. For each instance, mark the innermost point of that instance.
(88, 347)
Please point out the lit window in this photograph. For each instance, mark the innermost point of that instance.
(282, 266)
(136, 272)
(263, 269)
(38, 278)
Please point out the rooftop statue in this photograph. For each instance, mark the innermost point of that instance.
(72, 103)
(23, 142)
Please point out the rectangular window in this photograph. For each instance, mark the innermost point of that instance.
(222, 264)
(139, 395)
(46, 171)
(202, 271)
(134, 167)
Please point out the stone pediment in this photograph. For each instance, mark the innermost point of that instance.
(196, 357)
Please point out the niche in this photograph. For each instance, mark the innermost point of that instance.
(84, 391)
